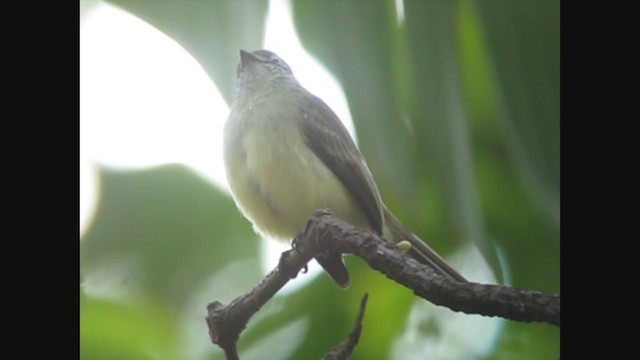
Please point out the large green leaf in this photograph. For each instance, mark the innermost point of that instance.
(110, 330)
(163, 232)
(439, 118)
(524, 38)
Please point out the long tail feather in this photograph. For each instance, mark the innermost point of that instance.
(420, 250)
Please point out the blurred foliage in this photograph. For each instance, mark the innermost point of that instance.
(457, 111)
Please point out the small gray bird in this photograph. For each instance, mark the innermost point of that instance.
(287, 154)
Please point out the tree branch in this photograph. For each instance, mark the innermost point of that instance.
(468, 297)
(325, 233)
(344, 350)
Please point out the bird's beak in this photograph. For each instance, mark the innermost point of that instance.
(247, 58)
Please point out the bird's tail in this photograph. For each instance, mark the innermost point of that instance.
(419, 249)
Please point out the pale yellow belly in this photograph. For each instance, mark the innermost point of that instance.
(278, 182)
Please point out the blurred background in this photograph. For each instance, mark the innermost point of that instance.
(455, 105)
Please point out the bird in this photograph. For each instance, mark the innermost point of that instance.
(287, 154)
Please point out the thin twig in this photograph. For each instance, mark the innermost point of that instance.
(345, 349)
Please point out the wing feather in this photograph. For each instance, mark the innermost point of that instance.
(329, 140)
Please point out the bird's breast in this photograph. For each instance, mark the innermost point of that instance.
(276, 180)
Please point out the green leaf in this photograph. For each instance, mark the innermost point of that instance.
(163, 232)
(114, 331)
(524, 38)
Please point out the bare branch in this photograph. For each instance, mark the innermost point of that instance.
(226, 322)
(467, 297)
(326, 233)
(344, 350)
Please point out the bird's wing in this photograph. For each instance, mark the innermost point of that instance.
(329, 140)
